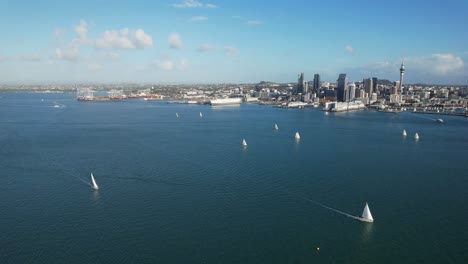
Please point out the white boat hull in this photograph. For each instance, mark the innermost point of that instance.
(226, 101)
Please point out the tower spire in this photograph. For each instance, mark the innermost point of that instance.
(402, 73)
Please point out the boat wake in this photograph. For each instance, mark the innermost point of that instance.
(331, 208)
(62, 168)
(425, 117)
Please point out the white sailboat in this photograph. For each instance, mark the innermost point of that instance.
(95, 186)
(404, 133)
(201, 114)
(297, 136)
(244, 143)
(176, 114)
(366, 215)
(416, 136)
(276, 126)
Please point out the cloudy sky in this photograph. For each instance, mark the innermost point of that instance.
(211, 41)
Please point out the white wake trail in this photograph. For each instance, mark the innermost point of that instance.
(328, 207)
(332, 209)
(425, 117)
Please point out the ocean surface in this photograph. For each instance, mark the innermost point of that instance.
(184, 190)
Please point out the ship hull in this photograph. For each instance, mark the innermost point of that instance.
(226, 101)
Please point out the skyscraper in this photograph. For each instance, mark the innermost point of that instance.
(351, 92)
(341, 87)
(316, 86)
(369, 87)
(375, 84)
(300, 84)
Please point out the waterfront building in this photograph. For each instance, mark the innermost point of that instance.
(330, 95)
(396, 87)
(316, 84)
(351, 92)
(375, 84)
(300, 84)
(369, 86)
(362, 93)
(341, 87)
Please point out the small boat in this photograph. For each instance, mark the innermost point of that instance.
(95, 186)
(297, 136)
(366, 215)
(404, 133)
(244, 143)
(276, 126)
(416, 136)
(56, 106)
(439, 120)
(201, 115)
(176, 114)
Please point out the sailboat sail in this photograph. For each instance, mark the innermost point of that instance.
(95, 186)
(244, 143)
(276, 126)
(366, 214)
(297, 136)
(201, 114)
(404, 133)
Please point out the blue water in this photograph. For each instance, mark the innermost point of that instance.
(184, 190)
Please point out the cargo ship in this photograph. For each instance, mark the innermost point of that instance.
(226, 101)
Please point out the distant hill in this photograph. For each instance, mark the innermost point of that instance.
(384, 82)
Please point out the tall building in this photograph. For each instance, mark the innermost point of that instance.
(341, 87)
(300, 84)
(351, 92)
(402, 73)
(375, 84)
(316, 85)
(396, 87)
(369, 87)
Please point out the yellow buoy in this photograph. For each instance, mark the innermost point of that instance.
(318, 249)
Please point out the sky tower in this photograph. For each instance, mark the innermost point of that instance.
(402, 73)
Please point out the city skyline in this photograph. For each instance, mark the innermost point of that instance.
(189, 41)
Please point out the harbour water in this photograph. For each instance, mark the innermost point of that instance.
(185, 190)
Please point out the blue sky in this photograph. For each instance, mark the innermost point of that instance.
(191, 41)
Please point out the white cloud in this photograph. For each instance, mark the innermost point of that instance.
(143, 40)
(175, 42)
(93, 66)
(32, 58)
(254, 22)
(124, 39)
(113, 55)
(59, 33)
(238, 17)
(349, 49)
(198, 18)
(231, 51)
(167, 65)
(82, 29)
(206, 48)
(439, 64)
(182, 65)
(193, 4)
(69, 54)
